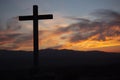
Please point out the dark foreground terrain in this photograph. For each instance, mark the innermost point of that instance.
(60, 65)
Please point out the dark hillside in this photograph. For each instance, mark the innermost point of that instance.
(60, 65)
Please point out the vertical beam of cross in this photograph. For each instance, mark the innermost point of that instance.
(35, 17)
(35, 35)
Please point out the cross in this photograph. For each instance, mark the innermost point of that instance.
(35, 17)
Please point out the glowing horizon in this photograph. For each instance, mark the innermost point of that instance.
(96, 28)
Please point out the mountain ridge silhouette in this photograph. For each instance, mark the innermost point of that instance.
(56, 58)
(59, 64)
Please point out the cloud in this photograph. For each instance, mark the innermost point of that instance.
(13, 36)
(1, 28)
(56, 47)
(102, 31)
(106, 15)
(12, 39)
(85, 28)
(79, 19)
(13, 24)
(85, 34)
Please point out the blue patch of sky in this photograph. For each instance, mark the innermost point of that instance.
(78, 8)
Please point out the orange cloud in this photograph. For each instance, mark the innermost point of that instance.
(99, 34)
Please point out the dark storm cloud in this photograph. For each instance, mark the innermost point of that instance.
(106, 24)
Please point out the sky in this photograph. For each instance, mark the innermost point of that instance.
(77, 25)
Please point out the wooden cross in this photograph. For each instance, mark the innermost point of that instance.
(35, 17)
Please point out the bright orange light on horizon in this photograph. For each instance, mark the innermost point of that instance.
(83, 35)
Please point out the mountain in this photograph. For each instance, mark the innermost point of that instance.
(56, 58)
(60, 65)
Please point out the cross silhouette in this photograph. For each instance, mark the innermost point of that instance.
(35, 17)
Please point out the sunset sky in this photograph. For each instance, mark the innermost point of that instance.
(77, 25)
